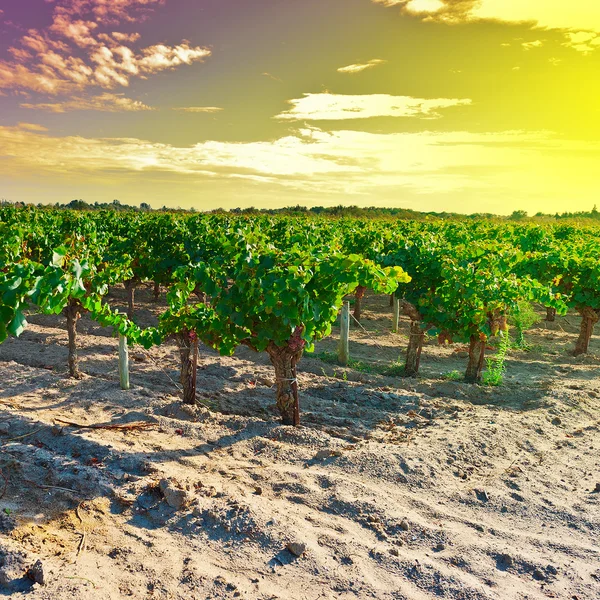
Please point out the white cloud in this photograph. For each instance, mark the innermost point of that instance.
(582, 41)
(73, 54)
(513, 164)
(577, 16)
(360, 67)
(333, 107)
(104, 103)
(200, 109)
(419, 6)
(532, 45)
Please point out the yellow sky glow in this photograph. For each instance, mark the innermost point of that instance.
(394, 104)
(359, 164)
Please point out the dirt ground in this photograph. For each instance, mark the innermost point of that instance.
(393, 488)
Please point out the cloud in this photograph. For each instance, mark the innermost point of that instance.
(532, 45)
(518, 164)
(333, 107)
(200, 109)
(73, 53)
(270, 76)
(582, 41)
(31, 127)
(104, 103)
(359, 67)
(579, 16)
(54, 72)
(79, 32)
(107, 11)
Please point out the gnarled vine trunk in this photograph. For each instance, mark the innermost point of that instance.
(415, 339)
(156, 291)
(550, 314)
(444, 338)
(284, 360)
(413, 352)
(188, 352)
(476, 359)
(358, 296)
(589, 318)
(130, 286)
(72, 312)
(202, 296)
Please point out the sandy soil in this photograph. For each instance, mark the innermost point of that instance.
(413, 489)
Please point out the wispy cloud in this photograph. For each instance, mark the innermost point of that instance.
(200, 109)
(74, 53)
(333, 107)
(582, 41)
(500, 165)
(32, 127)
(359, 67)
(104, 102)
(270, 76)
(107, 11)
(532, 45)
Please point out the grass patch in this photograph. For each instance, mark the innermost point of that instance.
(523, 319)
(495, 364)
(452, 375)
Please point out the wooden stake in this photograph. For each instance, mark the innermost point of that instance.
(123, 362)
(344, 345)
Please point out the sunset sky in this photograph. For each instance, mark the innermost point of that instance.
(456, 105)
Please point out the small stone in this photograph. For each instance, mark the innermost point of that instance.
(175, 497)
(36, 573)
(296, 548)
(404, 525)
(394, 552)
(258, 490)
(504, 509)
(596, 490)
(322, 454)
(556, 421)
(552, 570)
(439, 547)
(539, 575)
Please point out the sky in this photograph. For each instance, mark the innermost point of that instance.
(434, 105)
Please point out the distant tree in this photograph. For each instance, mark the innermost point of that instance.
(517, 215)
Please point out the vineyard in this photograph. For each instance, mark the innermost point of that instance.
(440, 376)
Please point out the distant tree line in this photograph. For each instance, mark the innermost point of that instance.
(329, 211)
